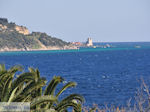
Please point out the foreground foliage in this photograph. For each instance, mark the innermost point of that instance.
(28, 87)
(19, 86)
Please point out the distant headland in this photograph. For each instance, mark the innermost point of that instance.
(18, 38)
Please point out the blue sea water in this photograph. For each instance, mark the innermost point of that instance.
(109, 75)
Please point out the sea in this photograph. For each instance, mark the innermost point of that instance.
(103, 75)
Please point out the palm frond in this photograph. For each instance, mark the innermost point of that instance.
(15, 69)
(2, 67)
(50, 89)
(63, 106)
(12, 95)
(72, 97)
(22, 78)
(6, 89)
(42, 99)
(69, 84)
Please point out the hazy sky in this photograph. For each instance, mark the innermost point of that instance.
(76, 20)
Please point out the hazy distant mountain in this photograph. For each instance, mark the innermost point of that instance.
(15, 38)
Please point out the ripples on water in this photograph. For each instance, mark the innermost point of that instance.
(102, 76)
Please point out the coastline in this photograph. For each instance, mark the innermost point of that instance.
(6, 49)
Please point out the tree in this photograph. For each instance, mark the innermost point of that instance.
(28, 87)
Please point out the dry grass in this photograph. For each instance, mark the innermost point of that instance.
(141, 104)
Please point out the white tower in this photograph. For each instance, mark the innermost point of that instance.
(89, 42)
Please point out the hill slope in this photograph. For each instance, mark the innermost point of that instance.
(18, 38)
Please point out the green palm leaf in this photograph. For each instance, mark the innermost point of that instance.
(21, 79)
(35, 72)
(69, 84)
(73, 100)
(42, 99)
(28, 89)
(12, 95)
(15, 69)
(73, 97)
(2, 68)
(6, 89)
(50, 89)
(63, 106)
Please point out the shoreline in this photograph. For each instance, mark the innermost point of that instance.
(4, 50)
(59, 49)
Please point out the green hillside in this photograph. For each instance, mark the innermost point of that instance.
(17, 37)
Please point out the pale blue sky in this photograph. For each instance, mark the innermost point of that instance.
(76, 20)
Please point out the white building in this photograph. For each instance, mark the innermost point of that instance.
(89, 42)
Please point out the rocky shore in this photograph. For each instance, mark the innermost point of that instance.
(6, 49)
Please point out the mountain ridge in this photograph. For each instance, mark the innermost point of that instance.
(18, 38)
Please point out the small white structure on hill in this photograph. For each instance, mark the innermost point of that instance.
(89, 42)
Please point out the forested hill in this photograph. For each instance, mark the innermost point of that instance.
(15, 38)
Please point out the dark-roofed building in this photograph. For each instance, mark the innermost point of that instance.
(3, 20)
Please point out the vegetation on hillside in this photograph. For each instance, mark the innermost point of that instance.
(18, 37)
(16, 40)
(48, 40)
